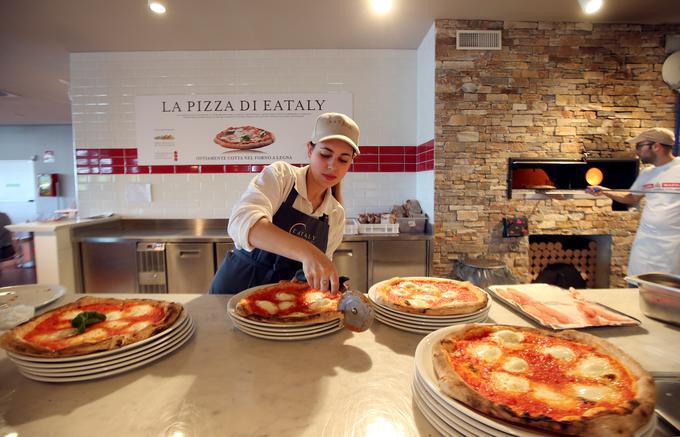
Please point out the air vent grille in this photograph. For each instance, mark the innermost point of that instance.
(478, 39)
(151, 271)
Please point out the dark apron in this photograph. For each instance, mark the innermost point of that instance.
(242, 269)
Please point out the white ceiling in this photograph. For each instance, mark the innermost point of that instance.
(36, 36)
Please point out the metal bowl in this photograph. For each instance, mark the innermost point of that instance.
(659, 295)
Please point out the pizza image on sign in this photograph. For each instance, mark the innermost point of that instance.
(244, 137)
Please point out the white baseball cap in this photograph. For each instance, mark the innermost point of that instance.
(336, 126)
(656, 134)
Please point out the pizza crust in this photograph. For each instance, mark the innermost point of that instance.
(245, 307)
(622, 421)
(13, 340)
(383, 297)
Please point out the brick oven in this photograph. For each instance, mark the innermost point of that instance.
(554, 90)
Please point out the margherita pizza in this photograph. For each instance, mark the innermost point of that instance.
(89, 325)
(244, 137)
(568, 382)
(289, 303)
(433, 296)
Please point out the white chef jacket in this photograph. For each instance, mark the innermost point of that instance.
(657, 243)
(265, 194)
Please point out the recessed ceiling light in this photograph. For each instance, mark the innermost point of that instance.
(157, 6)
(381, 6)
(590, 6)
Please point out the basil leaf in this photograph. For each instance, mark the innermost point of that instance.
(85, 319)
(246, 137)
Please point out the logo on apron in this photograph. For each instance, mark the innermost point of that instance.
(300, 229)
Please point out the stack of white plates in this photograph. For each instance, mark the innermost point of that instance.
(453, 418)
(421, 323)
(281, 332)
(106, 363)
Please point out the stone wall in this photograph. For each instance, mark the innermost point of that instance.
(554, 90)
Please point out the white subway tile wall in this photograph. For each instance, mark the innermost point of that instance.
(103, 87)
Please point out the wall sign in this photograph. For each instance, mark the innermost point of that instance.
(230, 129)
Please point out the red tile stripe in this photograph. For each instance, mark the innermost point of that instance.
(373, 159)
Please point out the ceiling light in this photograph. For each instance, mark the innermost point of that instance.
(381, 6)
(157, 6)
(590, 6)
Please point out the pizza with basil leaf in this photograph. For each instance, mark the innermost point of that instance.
(90, 324)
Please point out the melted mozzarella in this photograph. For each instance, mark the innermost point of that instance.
(285, 305)
(57, 335)
(407, 285)
(138, 310)
(285, 296)
(593, 367)
(505, 336)
(515, 365)
(69, 315)
(138, 326)
(268, 306)
(313, 296)
(552, 398)
(560, 352)
(429, 289)
(595, 393)
(399, 292)
(510, 383)
(91, 336)
(321, 304)
(487, 352)
(115, 324)
(449, 294)
(114, 315)
(297, 314)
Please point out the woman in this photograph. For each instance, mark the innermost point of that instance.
(292, 218)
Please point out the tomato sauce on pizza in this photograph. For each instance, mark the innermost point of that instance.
(289, 301)
(555, 378)
(435, 296)
(91, 324)
(57, 332)
(569, 382)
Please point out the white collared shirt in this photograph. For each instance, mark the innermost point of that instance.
(267, 192)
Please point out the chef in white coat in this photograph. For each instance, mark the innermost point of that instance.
(657, 243)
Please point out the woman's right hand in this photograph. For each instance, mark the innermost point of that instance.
(320, 271)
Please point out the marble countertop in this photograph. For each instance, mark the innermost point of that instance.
(224, 382)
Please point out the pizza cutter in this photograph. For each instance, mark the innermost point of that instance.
(354, 305)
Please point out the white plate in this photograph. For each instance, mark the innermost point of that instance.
(178, 324)
(108, 373)
(427, 317)
(231, 305)
(416, 322)
(419, 328)
(35, 295)
(99, 368)
(450, 420)
(425, 370)
(284, 332)
(289, 338)
(274, 328)
(434, 420)
(108, 360)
